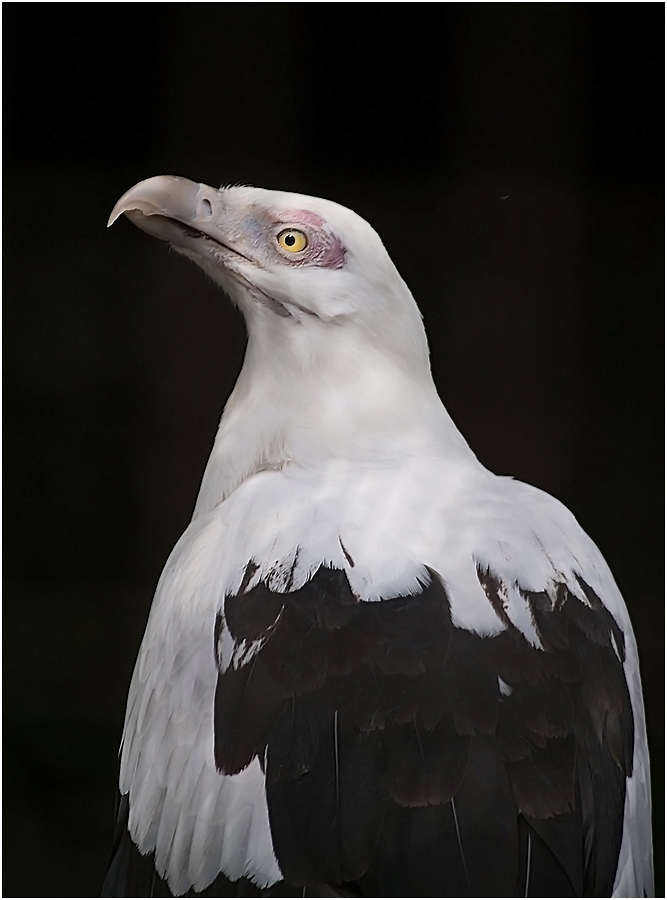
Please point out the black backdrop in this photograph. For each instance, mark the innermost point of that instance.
(511, 157)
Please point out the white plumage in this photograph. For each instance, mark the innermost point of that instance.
(335, 455)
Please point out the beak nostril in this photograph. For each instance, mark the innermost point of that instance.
(205, 209)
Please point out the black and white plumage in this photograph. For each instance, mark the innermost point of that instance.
(372, 667)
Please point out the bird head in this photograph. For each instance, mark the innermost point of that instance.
(306, 273)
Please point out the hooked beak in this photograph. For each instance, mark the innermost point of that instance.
(172, 209)
(189, 216)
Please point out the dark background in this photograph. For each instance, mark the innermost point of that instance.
(511, 157)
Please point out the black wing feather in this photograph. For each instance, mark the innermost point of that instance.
(394, 761)
(395, 765)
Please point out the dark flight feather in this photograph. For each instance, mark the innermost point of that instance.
(421, 722)
(395, 764)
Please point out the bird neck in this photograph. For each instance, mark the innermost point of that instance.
(350, 403)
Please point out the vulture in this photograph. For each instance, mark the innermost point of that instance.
(372, 667)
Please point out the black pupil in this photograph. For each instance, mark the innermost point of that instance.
(290, 240)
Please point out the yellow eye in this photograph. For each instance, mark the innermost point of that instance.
(292, 240)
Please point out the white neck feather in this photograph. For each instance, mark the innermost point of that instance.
(313, 391)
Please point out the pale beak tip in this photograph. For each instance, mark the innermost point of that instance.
(116, 212)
